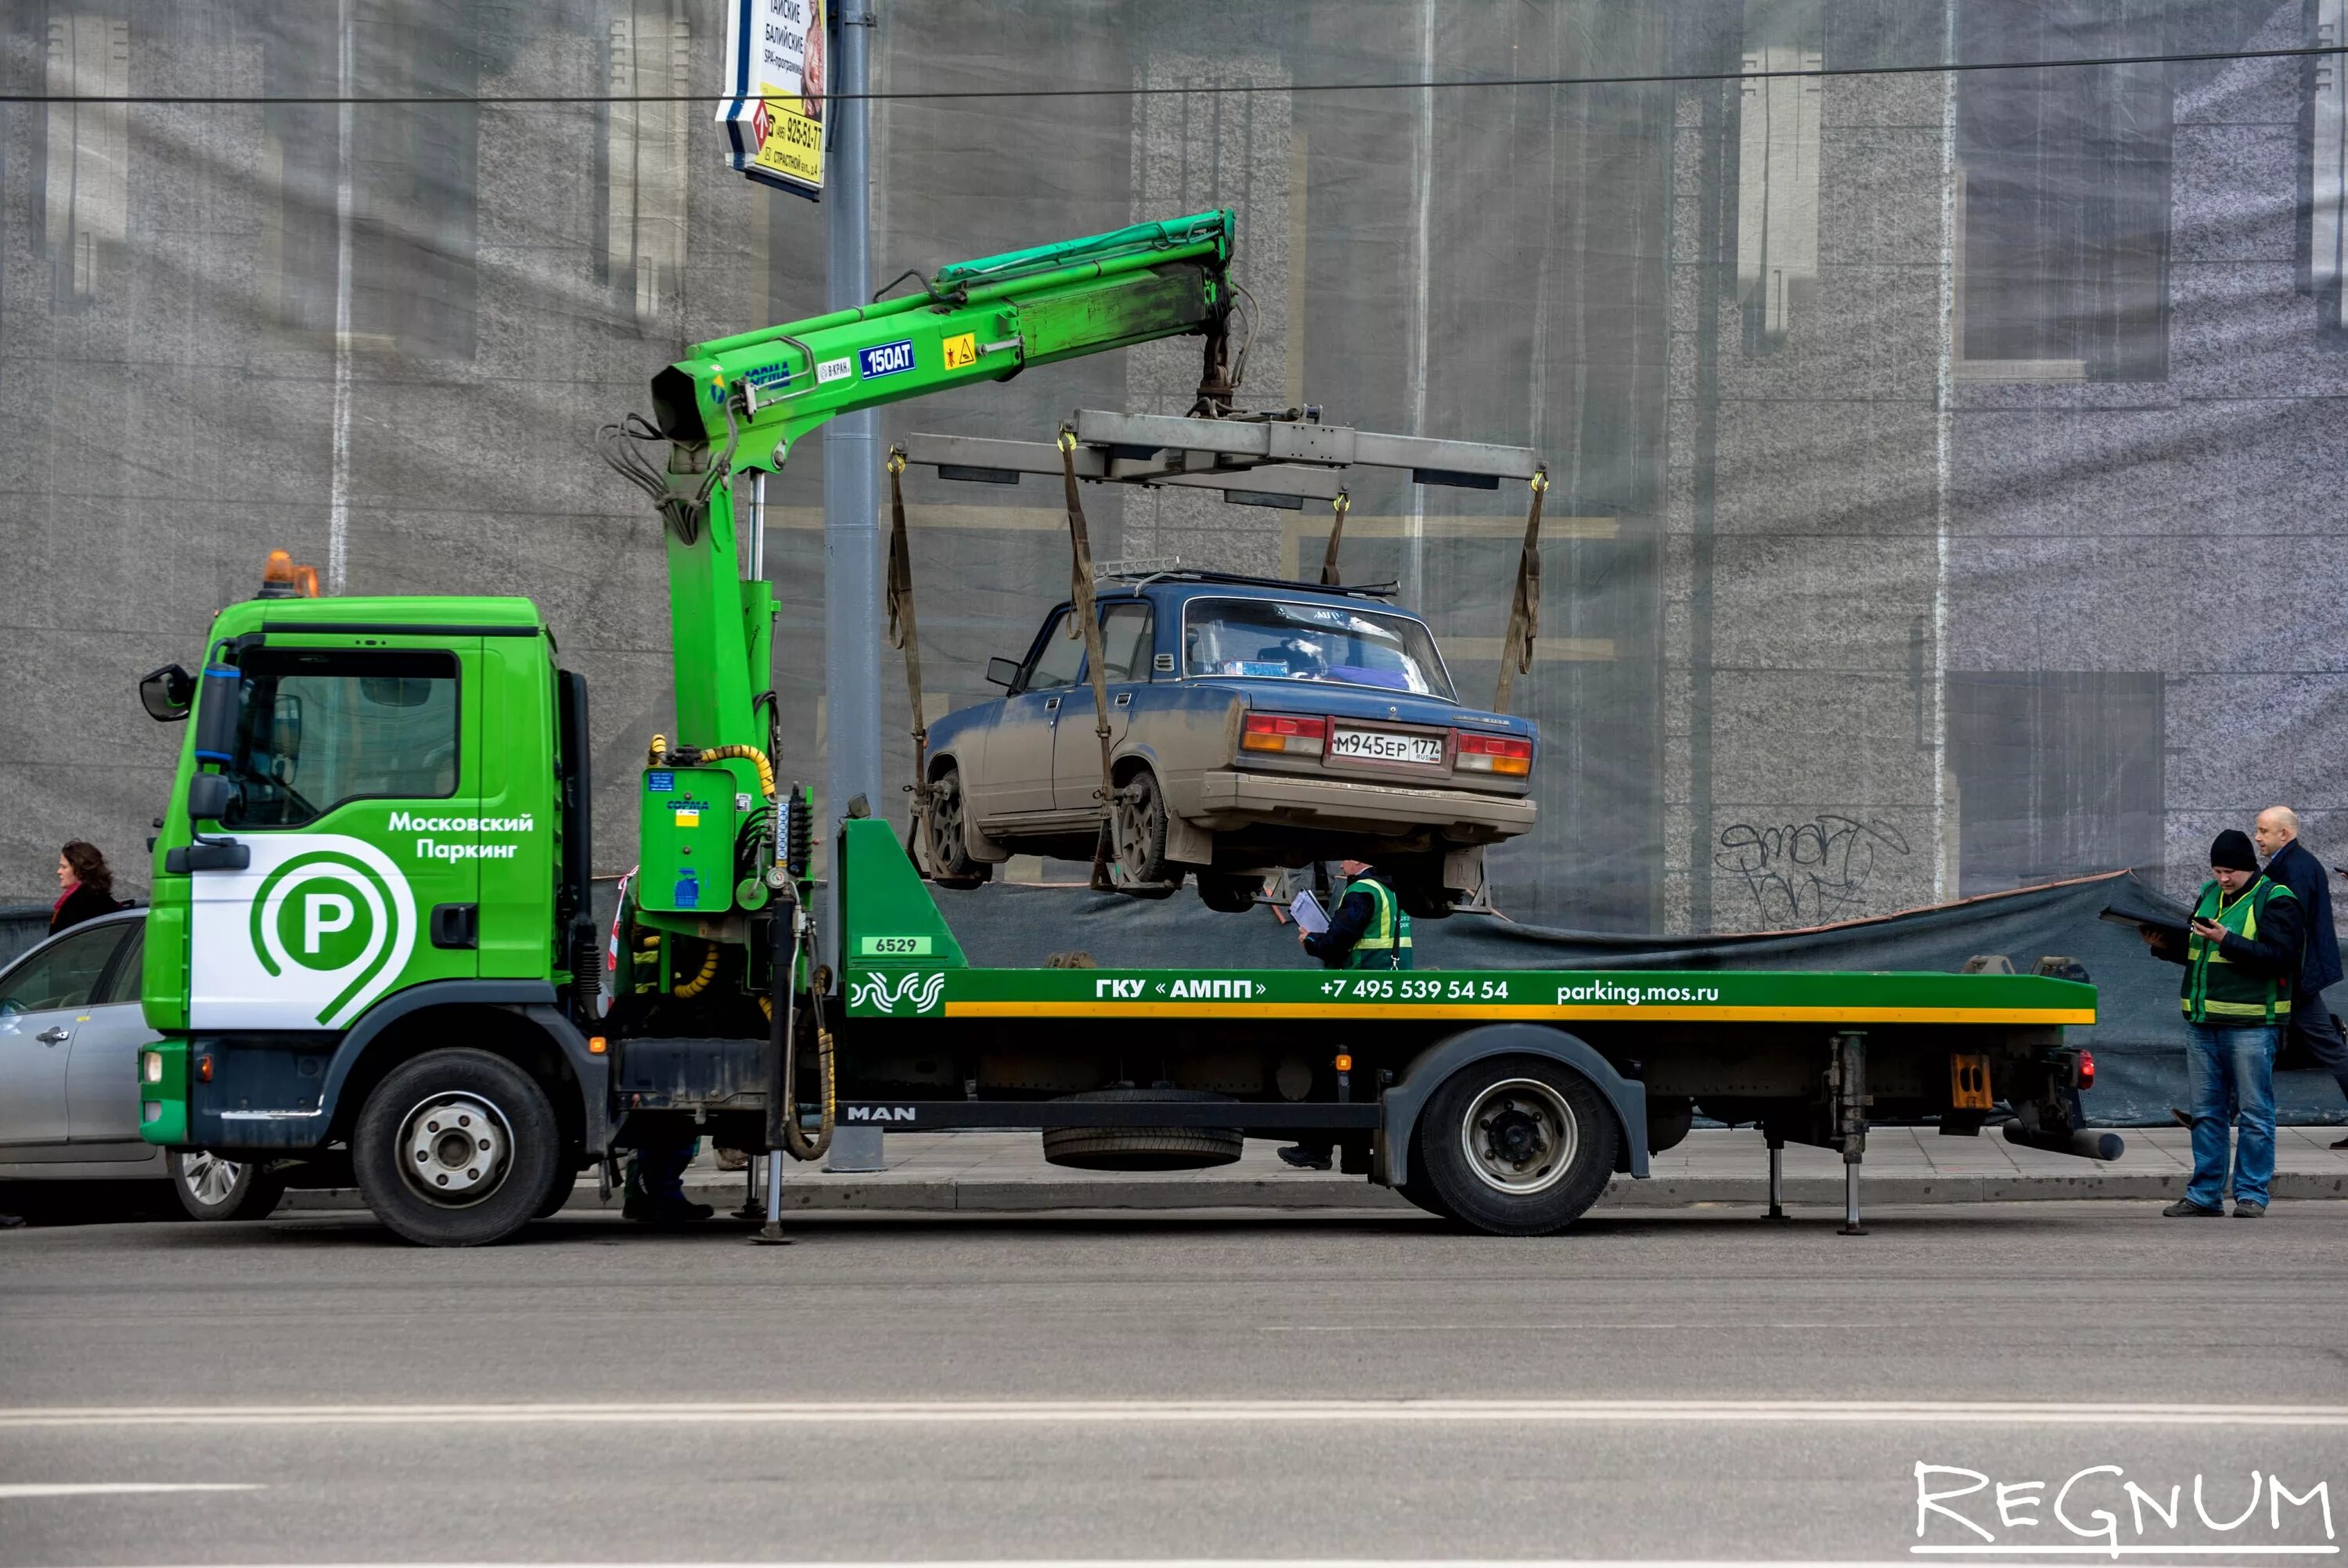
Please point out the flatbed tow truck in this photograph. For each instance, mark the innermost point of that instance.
(371, 954)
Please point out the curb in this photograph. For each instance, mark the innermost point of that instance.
(934, 1196)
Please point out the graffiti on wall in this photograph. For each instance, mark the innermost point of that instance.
(1807, 873)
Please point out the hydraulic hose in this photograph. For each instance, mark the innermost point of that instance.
(750, 755)
(700, 982)
(784, 1118)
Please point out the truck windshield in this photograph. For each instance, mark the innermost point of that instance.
(321, 727)
(1285, 640)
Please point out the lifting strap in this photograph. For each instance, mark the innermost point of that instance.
(1524, 603)
(905, 633)
(1341, 506)
(1087, 621)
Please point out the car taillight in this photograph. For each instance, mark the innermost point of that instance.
(1494, 754)
(1282, 733)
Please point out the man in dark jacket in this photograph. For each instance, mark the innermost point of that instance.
(2241, 964)
(2288, 864)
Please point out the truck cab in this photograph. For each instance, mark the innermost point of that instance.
(377, 831)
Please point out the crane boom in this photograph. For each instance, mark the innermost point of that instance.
(975, 321)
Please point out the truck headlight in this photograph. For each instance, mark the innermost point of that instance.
(151, 1066)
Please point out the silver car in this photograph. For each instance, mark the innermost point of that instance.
(70, 1030)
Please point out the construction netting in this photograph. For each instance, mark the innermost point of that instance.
(1946, 463)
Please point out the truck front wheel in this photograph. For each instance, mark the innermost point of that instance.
(456, 1148)
(1516, 1145)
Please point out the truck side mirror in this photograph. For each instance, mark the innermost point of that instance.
(1001, 672)
(167, 694)
(209, 796)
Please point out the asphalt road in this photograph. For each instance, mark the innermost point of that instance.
(1697, 1386)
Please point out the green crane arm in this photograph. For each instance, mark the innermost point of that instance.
(975, 321)
(737, 403)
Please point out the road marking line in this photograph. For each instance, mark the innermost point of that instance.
(1212, 1562)
(115, 1488)
(980, 1412)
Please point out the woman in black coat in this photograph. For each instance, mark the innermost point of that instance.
(88, 884)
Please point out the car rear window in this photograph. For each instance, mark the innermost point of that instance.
(1287, 640)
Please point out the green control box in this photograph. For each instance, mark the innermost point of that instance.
(685, 846)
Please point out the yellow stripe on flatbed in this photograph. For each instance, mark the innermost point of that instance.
(1662, 1012)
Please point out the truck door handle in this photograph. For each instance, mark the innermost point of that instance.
(455, 925)
(57, 1034)
(1051, 704)
(1124, 700)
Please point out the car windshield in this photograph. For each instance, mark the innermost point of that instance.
(1283, 640)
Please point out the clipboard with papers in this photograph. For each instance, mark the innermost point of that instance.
(1306, 911)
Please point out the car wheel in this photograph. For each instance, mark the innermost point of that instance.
(212, 1188)
(456, 1148)
(951, 862)
(1230, 895)
(1516, 1145)
(1141, 838)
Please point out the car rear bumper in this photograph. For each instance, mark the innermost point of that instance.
(1235, 796)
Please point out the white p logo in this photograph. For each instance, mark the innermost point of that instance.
(323, 914)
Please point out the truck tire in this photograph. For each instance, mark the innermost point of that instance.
(951, 862)
(212, 1188)
(558, 1189)
(456, 1148)
(1516, 1145)
(1143, 1148)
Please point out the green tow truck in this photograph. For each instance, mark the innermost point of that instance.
(372, 955)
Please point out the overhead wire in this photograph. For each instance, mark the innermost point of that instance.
(1208, 89)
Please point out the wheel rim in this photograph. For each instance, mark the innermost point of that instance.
(945, 821)
(209, 1178)
(1519, 1137)
(455, 1149)
(1134, 810)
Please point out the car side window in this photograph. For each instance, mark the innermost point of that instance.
(61, 975)
(123, 985)
(1062, 658)
(1125, 642)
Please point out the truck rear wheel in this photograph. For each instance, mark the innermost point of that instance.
(1516, 1145)
(456, 1148)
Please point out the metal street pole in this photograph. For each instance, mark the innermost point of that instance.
(851, 495)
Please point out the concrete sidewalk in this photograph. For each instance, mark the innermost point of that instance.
(1006, 1172)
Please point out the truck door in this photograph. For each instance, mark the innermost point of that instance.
(1075, 749)
(357, 796)
(1019, 752)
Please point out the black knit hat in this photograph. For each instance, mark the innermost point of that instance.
(2231, 851)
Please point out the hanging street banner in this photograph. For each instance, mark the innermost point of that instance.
(773, 113)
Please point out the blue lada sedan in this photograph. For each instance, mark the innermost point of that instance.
(1254, 725)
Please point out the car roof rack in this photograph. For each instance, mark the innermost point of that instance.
(1142, 578)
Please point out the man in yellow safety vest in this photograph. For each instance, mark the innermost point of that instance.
(1367, 931)
(2241, 957)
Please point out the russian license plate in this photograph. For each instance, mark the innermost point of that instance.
(1385, 746)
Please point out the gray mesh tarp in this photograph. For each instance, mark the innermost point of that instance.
(1947, 463)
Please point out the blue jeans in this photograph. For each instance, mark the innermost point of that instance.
(2233, 1076)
